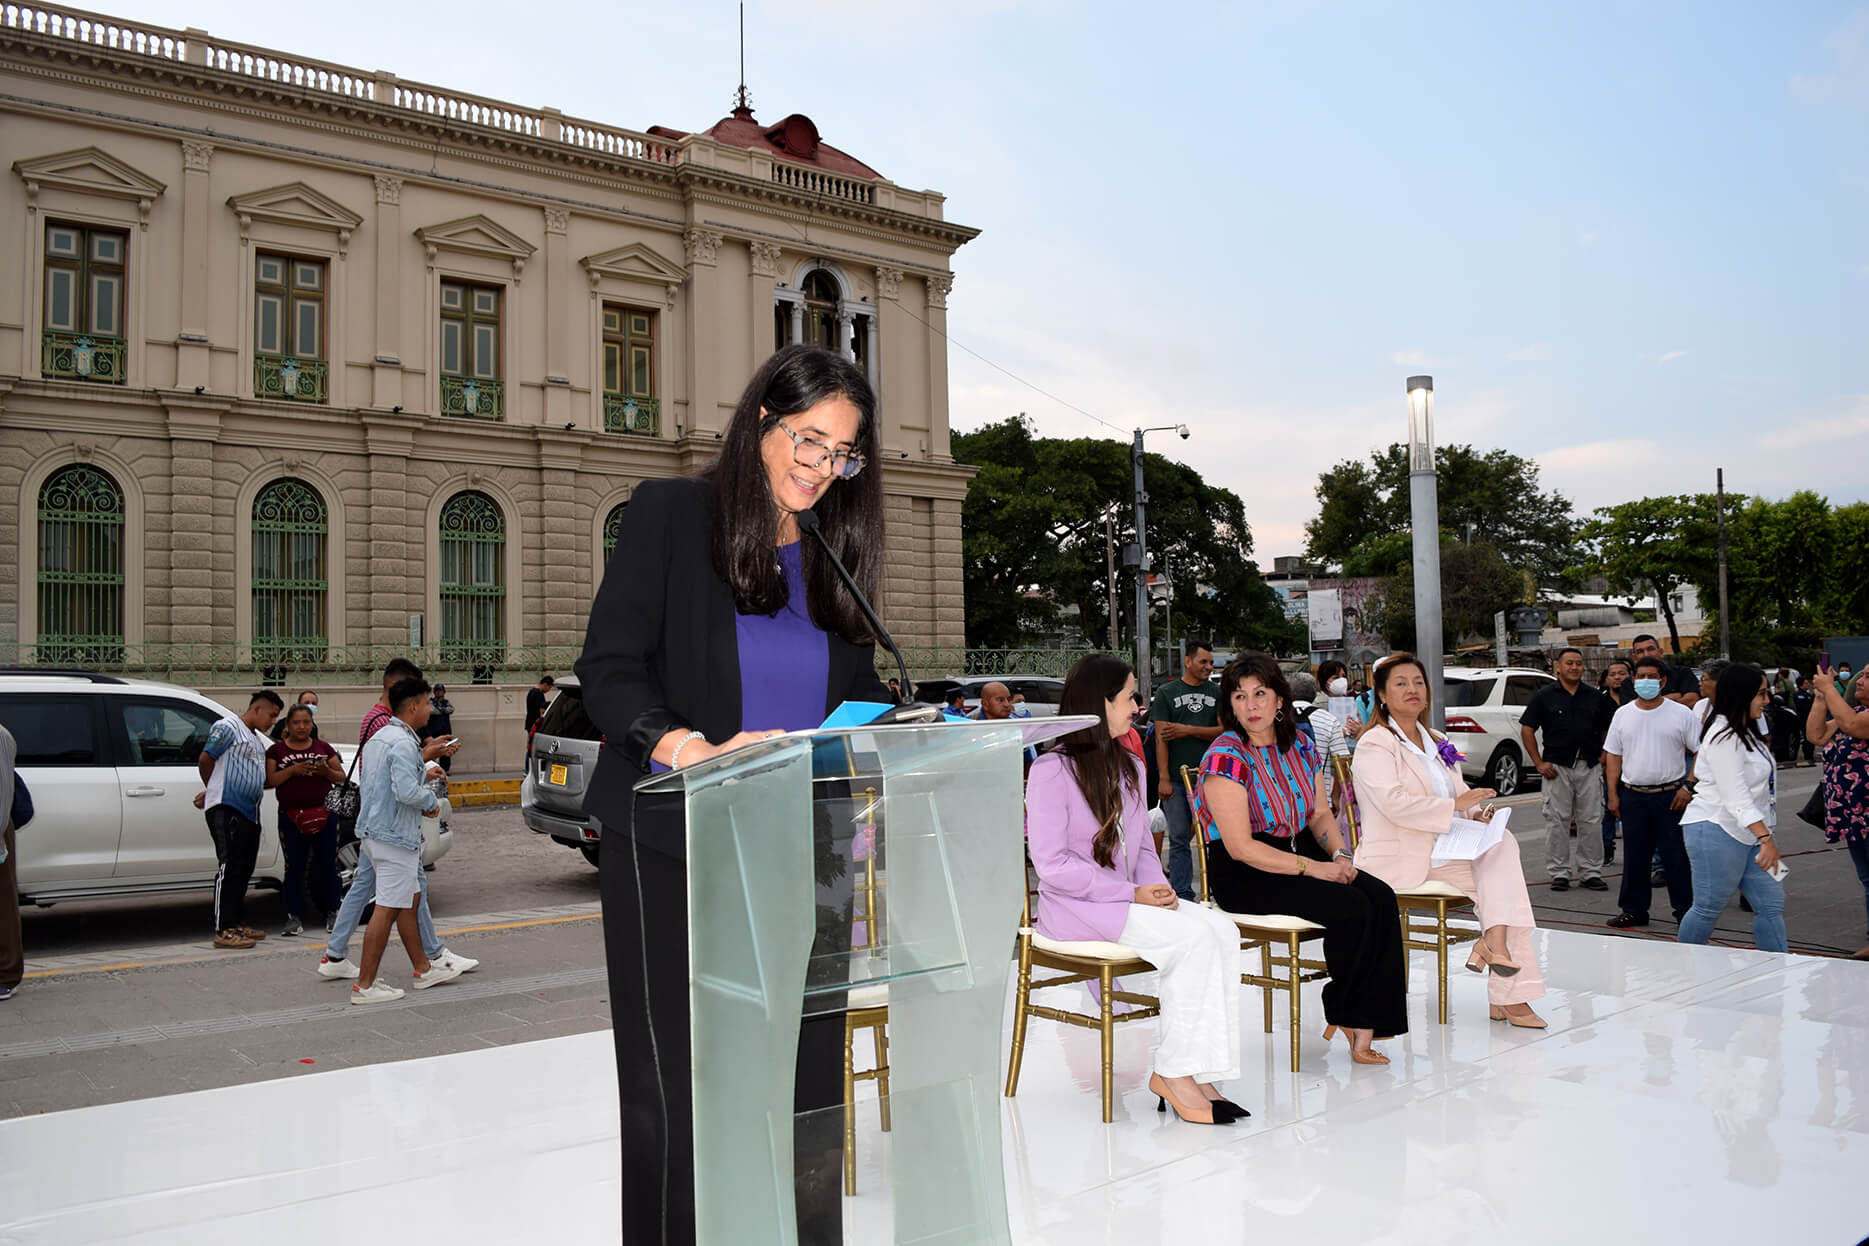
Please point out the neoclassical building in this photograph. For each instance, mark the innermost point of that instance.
(301, 365)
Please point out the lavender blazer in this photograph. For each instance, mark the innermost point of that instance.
(1398, 810)
(1078, 899)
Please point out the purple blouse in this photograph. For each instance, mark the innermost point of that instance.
(785, 658)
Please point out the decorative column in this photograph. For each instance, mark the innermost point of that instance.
(798, 321)
(192, 357)
(939, 286)
(702, 250)
(386, 369)
(398, 569)
(759, 299)
(560, 299)
(846, 334)
(869, 349)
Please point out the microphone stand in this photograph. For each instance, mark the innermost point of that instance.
(904, 710)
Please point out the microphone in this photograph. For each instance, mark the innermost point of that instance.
(808, 522)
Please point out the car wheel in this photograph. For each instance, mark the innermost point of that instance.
(1503, 773)
(589, 851)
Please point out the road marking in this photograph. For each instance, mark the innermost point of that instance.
(543, 921)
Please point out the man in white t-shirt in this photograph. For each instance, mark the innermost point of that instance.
(233, 766)
(1650, 782)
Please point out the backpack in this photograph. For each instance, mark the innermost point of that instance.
(1303, 714)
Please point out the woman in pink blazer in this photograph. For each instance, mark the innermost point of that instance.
(1409, 788)
(1099, 878)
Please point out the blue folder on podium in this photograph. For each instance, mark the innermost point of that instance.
(781, 836)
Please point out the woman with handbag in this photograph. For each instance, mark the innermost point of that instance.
(303, 769)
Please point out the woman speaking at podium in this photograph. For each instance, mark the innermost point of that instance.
(716, 625)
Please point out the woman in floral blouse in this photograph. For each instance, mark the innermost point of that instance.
(1839, 726)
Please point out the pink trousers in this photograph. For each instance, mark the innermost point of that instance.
(1496, 881)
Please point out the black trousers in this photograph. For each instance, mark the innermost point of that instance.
(237, 848)
(1650, 824)
(1363, 949)
(645, 916)
(318, 853)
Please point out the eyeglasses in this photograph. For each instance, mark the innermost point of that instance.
(810, 452)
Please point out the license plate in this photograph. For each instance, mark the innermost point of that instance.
(558, 776)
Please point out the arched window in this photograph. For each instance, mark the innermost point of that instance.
(613, 524)
(473, 579)
(80, 567)
(821, 298)
(290, 530)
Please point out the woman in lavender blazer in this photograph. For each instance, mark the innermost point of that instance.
(1099, 879)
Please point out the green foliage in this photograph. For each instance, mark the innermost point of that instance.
(1490, 498)
(1033, 540)
(1476, 583)
(1658, 543)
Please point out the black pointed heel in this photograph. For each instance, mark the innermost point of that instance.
(1161, 1104)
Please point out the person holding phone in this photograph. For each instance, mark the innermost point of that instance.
(1729, 823)
(1838, 725)
(441, 727)
(303, 769)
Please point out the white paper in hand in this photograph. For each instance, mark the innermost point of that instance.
(1467, 839)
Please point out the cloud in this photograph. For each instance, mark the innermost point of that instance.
(1671, 356)
(1588, 238)
(1852, 423)
(1530, 354)
(1410, 358)
(1848, 72)
(1599, 455)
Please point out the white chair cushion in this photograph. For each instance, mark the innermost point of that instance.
(874, 996)
(1270, 921)
(1433, 891)
(1095, 949)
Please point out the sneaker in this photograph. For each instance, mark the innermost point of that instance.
(467, 963)
(1560, 884)
(251, 933)
(328, 968)
(438, 973)
(376, 993)
(6, 993)
(293, 926)
(1658, 879)
(232, 939)
(330, 922)
(1594, 884)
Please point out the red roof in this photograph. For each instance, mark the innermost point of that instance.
(795, 138)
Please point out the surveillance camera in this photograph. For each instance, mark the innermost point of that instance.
(1183, 430)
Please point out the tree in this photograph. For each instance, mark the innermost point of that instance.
(1033, 541)
(1655, 544)
(1492, 498)
(1476, 583)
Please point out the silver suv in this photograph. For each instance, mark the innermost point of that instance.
(564, 757)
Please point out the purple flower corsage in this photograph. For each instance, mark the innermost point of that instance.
(1451, 757)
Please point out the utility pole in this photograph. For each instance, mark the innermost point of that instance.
(1424, 515)
(1726, 633)
(1142, 574)
(1109, 557)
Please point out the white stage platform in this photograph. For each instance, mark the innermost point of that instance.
(1681, 1095)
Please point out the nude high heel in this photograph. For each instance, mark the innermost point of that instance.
(1164, 1099)
(1527, 1020)
(1481, 959)
(1357, 1057)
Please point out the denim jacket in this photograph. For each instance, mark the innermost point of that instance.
(394, 794)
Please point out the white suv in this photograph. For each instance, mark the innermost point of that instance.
(1483, 709)
(113, 767)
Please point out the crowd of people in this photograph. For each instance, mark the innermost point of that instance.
(1682, 762)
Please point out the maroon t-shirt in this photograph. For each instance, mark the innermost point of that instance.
(301, 793)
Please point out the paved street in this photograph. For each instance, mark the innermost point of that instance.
(126, 1000)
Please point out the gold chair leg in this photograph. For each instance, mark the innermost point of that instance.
(1440, 952)
(850, 1109)
(1107, 1024)
(1295, 1006)
(881, 1034)
(1022, 1000)
(1407, 937)
(1265, 992)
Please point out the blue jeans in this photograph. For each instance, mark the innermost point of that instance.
(1723, 865)
(1859, 854)
(362, 891)
(1180, 831)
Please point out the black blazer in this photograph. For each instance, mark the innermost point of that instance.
(662, 653)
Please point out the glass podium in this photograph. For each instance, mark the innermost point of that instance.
(885, 861)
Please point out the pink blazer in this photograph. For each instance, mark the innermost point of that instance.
(1400, 813)
(1079, 900)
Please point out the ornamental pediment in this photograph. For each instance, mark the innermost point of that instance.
(89, 171)
(476, 235)
(296, 204)
(637, 261)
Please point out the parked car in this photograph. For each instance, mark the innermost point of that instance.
(113, 766)
(1483, 708)
(1041, 692)
(565, 744)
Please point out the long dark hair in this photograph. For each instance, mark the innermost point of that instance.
(1379, 682)
(850, 514)
(1732, 705)
(1099, 762)
(1262, 667)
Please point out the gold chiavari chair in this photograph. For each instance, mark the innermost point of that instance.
(1278, 936)
(867, 1009)
(1423, 909)
(1102, 963)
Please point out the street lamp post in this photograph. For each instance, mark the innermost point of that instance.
(1424, 511)
(1143, 680)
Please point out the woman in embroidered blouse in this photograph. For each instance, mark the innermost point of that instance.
(1409, 789)
(1274, 847)
(1099, 878)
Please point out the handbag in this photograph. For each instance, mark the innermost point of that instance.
(1813, 811)
(345, 799)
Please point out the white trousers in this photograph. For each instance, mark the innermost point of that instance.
(1196, 953)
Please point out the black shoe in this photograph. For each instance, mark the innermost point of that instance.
(1745, 905)
(1609, 857)
(1678, 915)
(1658, 879)
(1594, 884)
(1560, 884)
(1622, 921)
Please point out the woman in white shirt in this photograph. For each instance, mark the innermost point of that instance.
(1728, 826)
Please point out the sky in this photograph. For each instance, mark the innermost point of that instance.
(1629, 241)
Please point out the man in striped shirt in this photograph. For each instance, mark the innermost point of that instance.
(233, 766)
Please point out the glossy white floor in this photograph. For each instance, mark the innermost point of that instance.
(1688, 1095)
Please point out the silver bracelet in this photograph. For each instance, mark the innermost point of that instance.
(674, 763)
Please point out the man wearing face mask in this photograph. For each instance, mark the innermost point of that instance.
(1645, 759)
(307, 698)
